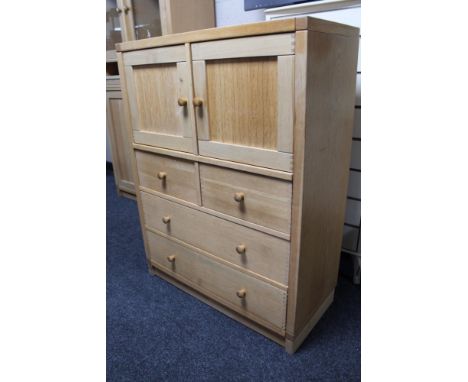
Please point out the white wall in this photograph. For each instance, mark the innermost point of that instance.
(231, 12)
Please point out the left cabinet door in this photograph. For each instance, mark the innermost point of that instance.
(120, 142)
(159, 93)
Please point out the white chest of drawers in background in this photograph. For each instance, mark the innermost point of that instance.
(345, 12)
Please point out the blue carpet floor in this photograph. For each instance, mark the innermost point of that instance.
(156, 332)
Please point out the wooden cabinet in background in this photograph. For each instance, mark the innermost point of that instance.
(128, 20)
(242, 141)
(120, 142)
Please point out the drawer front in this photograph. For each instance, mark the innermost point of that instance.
(255, 198)
(171, 176)
(243, 293)
(255, 251)
(113, 84)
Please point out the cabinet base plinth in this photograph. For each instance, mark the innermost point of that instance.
(292, 344)
(214, 304)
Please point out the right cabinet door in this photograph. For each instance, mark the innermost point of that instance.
(244, 99)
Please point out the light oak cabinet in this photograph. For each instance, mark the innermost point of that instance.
(242, 140)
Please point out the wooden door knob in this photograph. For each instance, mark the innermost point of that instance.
(166, 219)
(171, 258)
(162, 175)
(239, 197)
(182, 101)
(241, 293)
(197, 101)
(126, 9)
(241, 249)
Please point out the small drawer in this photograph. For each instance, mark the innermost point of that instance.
(113, 83)
(255, 198)
(245, 294)
(167, 175)
(252, 250)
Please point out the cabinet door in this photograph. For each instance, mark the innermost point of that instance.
(244, 99)
(159, 92)
(140, 19)
(120, 144)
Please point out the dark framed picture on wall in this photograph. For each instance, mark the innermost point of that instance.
(250, 5)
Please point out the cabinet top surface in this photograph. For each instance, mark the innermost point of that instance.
(244, 30)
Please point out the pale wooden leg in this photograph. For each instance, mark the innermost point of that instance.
(151, 268)
(292, 344)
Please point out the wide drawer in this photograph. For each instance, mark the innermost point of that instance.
(255, 198)
(255, 251)
(171, 176)
(239, 291)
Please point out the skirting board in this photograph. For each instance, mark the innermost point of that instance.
(235, 316)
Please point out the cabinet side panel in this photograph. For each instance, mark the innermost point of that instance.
(300, 87)
(129, 129)
(317, 229)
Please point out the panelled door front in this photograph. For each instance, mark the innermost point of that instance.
(160, 93)
(244, 99)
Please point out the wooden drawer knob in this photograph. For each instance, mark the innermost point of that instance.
(182, 101)
(171, 258)
(162, 175)
(239, 197)
(197, 102)
(166, 219)
(241, 249)
(241, 293)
